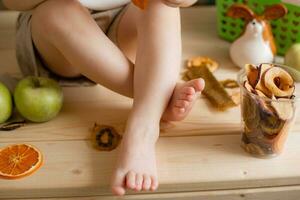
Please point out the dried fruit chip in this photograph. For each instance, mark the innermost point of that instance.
(260, 85)
(17, 161)
(10, 126)
(248, 87)
(199, 61)
(105, 138)
(213, 90)
(253, 149)
(270, 124)
(279, 82)
(250, 112)
(229, 83)
(284, 108)
(252, 74)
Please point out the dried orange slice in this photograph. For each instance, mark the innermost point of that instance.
(17, 161)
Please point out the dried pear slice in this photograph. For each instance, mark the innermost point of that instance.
(279, 82)
(213, 90)
(250, 112)
(248, 87)
(284, 108)
(252, 74)
(105, 138)
(253, 149)
(260, 85)
(270, 123)
(263, 103)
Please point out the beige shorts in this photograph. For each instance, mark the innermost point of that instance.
(29, 60)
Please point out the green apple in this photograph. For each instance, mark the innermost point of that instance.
(292, 57)
(38, 99)
(6, 105)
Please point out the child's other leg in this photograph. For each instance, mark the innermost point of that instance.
(156, 71)
(71, 43)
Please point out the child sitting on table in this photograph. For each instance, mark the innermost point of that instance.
(134, 52)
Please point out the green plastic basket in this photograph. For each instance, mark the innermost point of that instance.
(286, 30)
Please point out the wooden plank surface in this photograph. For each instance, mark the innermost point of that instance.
(209, 160)
(198, 163)
(273, 193)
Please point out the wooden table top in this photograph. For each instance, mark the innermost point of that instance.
(202, 153)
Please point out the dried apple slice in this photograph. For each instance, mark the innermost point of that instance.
(284, 108)
(211, 64)
(248, 87)
(252, 74)
(262, 102)
(253, 149)
(250, 112)
(279, 82)
(260, 85)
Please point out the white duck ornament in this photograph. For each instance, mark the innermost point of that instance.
(256, 44)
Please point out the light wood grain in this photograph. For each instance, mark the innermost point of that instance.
(273, 193)
(206, 162)
(198, 163)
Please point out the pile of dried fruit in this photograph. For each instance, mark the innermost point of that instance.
(267, 109)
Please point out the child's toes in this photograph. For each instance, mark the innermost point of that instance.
(138, 182)
(130, 180)
(154, 184)
(188, 90)
(147, 182)
(198, 84)
(182, 103)
(117, 184)
(187, 97)
(178, 110)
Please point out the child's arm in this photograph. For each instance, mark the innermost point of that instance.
(22, 5)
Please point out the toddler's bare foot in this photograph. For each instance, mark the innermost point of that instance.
(182, 101)
(136, 168)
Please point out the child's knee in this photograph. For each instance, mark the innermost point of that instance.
(53, 15)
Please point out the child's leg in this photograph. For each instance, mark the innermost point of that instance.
(156, 71)
(71, 43)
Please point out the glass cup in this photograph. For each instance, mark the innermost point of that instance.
(265, 122)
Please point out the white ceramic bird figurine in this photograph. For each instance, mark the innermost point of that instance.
(256, 44)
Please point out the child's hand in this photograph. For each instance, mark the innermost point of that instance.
(179, 3)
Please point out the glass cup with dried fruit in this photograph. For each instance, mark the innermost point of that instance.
(268, 106)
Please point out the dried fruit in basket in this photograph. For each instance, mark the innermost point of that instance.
(20, 160)
(260, 84)
(279, 82)
(253, 74)
(105, 138)
(264, 114)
